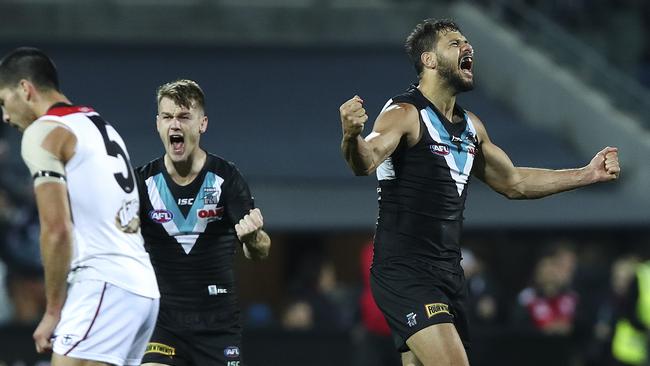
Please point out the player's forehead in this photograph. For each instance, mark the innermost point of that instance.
(450, 35)
(170, 106)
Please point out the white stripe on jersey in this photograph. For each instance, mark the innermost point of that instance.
(386, 170)
(459, 178)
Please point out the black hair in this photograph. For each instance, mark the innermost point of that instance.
(31, 64)
(424, 37)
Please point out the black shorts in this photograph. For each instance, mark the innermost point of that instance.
(413, 296)
(192, 338)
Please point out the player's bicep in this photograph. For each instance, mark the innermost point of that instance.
(45, 148)
(492, 164)
(393, 124)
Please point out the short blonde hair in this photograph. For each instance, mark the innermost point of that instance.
(186, 93)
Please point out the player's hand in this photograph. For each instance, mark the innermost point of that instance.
(605, 166)
(353, 117)
(250, 225)
(43, 333)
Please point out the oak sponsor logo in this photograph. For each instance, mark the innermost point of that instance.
(436, 308)
(163, 349)
(210, 214)
(439, 148)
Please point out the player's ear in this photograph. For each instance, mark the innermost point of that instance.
(26, 89)
(204, 124)
(429, 60)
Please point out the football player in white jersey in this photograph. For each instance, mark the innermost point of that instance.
(102, 296)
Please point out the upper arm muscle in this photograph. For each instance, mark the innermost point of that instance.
(393, 124)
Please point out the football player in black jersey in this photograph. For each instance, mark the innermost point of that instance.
(196, 208)
(423, 147)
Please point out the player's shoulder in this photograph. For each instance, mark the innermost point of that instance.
(473, 118)
(221, 166)
(411, 97)
(149, 169)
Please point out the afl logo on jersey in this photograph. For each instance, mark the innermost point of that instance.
(161, 216)
(439, 149)
(231, 352)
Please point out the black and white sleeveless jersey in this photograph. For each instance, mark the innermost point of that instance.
(189, 232)
(422, 189)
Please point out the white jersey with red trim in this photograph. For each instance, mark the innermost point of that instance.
(104, 203)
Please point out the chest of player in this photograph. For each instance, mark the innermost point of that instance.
(185, 209)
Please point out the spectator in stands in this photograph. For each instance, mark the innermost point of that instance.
(548, 305)
(483, 296)
(621, 275)
(20, 250)
(375, 344)
(315, 296)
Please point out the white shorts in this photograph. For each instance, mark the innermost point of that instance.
(102, 322)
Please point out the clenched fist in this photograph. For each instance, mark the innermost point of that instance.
(605, 166)
(250, 225)
(353, 117)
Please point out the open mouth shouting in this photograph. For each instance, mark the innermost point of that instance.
(465, 64)
(177, 143)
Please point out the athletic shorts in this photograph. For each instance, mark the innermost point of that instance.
(102, 322)
(194, 338)
(414, 295)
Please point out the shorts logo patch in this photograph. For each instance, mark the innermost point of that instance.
(67, 339)
(233, 363)
(161, 216)
(410, 319)
(436, 308)
(231, 352)
(163, 349)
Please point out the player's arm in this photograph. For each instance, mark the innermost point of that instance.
(248, 220)
(365, 155)
(256, 242)
(46, 147)
(496, 169)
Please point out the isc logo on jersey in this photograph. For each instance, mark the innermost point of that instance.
(161, 216)
(211, 214)
(185, 201)
(439, 149)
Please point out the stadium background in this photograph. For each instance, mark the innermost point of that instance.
(555, 84)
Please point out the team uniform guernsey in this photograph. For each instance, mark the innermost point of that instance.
(416, 275)
(189, 233)
(110, 270)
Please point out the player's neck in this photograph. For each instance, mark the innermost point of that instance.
(184, 172)
(46, 100)
(439, 93)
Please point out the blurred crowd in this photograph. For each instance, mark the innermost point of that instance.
(563, 288)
